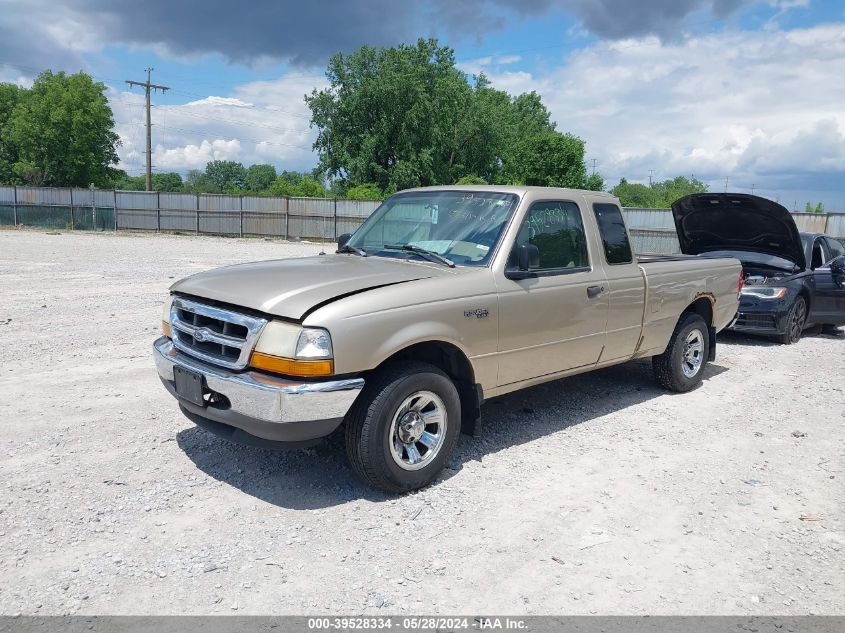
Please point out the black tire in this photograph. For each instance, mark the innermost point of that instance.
(369, 432)
(795, 322)
(673, 369)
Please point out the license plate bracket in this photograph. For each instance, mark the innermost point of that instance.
(189, 385)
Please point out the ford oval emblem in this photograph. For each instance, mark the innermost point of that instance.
(201, 335)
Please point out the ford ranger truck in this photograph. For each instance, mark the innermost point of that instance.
(443, 297)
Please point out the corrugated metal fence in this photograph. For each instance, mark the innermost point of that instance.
(93, 209)
(652, 230)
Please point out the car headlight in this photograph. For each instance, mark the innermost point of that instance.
(293, 350)
(313, 343)
(165, 318)
(764, 292)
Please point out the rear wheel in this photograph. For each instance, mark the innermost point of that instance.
(795, 322)
(681, 366)
(404, 427)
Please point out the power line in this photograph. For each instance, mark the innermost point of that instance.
(149, 87)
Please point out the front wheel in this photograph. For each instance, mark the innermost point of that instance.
(795, 322)
(403, 427)
(681, 366)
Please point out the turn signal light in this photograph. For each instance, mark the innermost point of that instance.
(291, 367)
(165, 328)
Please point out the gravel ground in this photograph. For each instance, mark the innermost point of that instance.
(595, 494)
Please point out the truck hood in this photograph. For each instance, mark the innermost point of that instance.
(291, 288)
(709, 222)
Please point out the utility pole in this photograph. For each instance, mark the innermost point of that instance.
(594, 165)
(148, 87)
(650, 174)
(726, 183)
(753, 186)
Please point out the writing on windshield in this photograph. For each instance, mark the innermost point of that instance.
(463, 226)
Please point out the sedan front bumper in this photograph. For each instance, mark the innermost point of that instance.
(254, 408)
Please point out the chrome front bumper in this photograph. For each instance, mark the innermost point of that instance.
(267, 407)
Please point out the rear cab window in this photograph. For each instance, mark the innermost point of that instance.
(614, 237)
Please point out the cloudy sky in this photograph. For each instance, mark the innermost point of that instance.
(751, 91)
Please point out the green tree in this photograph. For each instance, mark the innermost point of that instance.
(594, 182)
(548, 159)
(10, 96)
(297, 184)
(125, 182)
(660, 195)
(634, 195)
(259, 177)
(367, 191)
(197, 182)
(405, 116)
(226, 176)
(62, 129)
(471, 179)
(168, 181)
(809, 208)
(667, 191)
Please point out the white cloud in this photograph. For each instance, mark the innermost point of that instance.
(759, 107)
(196, 156)
(263, 121)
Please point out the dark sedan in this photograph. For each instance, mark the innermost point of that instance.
(782, 294)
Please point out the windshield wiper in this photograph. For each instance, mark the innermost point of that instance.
(419, 250)
(348, 248)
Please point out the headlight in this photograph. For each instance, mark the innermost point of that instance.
(314, 343)
(165, 318)
(289, 349)
(764, 292)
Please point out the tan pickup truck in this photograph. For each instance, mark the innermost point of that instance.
(445, 296)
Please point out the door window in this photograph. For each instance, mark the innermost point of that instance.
(835, 247)
(819, 256)
(556, 229)
(614, 237)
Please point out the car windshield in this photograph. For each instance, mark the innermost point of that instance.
(462, 226)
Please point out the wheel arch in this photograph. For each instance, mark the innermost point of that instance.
(452, 360)
(703, 306)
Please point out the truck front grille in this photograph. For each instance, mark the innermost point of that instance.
(215, 335)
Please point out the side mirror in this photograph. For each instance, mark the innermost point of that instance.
(837, 265)
(527, 257)
(343, 239)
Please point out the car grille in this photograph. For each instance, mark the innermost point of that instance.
(756, 321)
(215, 335)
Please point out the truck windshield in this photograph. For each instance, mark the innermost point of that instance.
(461, 226)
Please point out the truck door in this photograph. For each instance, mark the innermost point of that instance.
(625, 284)
(555, 319)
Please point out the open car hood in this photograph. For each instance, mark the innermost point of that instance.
(736, 222)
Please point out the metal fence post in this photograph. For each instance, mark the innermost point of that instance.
(93, 208)
(198, 214)
(15, 205)
(71, 208)
(335, 218)
(242, 217)
(158, 211)
(114, 207)
(287, 216)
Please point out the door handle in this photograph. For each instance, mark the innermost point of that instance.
(594, 291)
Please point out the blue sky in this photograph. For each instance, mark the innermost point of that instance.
(748, 90)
